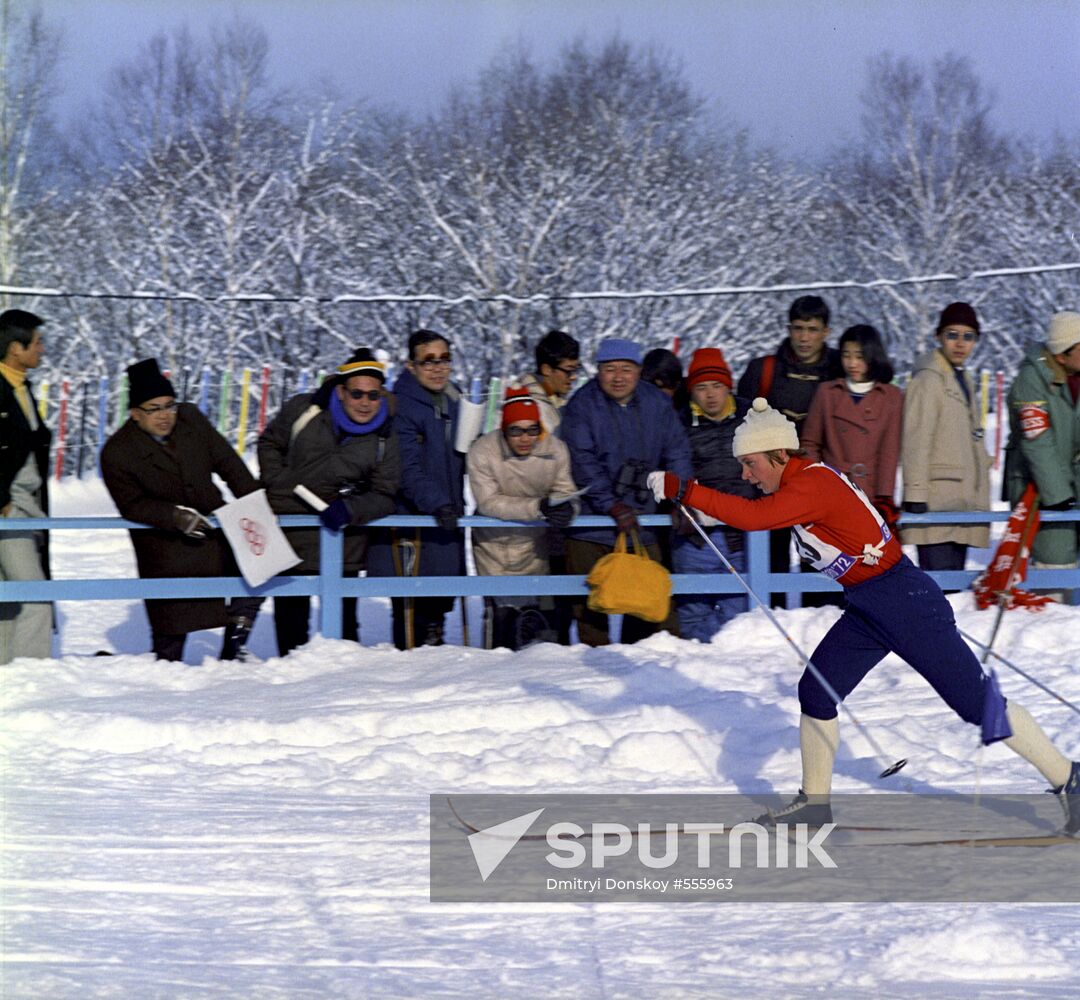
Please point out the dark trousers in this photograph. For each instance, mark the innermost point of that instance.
(779, 561)
(563, 614)
(581, 556)
(170, 645)
(428, 620)
(515, 626)
(292, 616)
(942, 556)
(904, 612)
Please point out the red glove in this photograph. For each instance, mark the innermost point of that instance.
(888, 510)
(625, 516)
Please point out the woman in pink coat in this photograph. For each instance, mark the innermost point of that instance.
(854, 422)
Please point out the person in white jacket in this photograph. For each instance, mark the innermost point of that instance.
(519, 472)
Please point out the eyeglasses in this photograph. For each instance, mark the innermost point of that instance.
(568, 372)
(967, 336)
(359, 394)
(443, 361)
(151, 410)
(516, 432)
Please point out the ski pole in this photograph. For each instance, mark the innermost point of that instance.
(891, 769)
(1012, 666)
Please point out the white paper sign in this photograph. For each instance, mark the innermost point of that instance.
(470, 423)
(259, 544)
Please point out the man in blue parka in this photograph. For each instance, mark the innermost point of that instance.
(432, 482)
(616, 426)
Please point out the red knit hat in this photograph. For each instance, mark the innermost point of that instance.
(519, 405)
(708, 365)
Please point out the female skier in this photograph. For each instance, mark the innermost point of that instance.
(892, 606)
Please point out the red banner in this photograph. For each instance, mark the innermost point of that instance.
(1009, 565)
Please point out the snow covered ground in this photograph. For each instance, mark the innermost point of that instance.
(260, 831)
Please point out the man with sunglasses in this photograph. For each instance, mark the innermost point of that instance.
(432, 482)
(519, 472)
(158, 468)
(946, 467)
(551, 382)
(340, 443)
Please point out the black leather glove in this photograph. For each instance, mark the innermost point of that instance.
(447, 517)
(684, 528)
(558, 515)
(1062, 505)
(625, 516)
(190, 522)
(336, 516)
(911, 507)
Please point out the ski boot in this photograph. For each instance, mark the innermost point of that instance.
(234, 647)
(801, 809)
(1069, 796)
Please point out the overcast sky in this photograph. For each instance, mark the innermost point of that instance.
(791, 70)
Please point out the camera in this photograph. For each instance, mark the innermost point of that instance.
(630, 483)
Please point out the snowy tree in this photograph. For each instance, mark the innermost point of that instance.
(911, 199)
(29, 52)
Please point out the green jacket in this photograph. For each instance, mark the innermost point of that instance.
(1044, 448)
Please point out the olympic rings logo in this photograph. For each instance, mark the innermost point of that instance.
(253, 534)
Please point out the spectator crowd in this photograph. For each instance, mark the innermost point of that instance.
(564, 445)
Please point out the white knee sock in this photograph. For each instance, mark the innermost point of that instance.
(1031, 743)
(818, 739)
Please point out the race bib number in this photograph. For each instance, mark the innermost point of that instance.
(1034, 420)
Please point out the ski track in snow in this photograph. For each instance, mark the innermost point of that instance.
(260, 830)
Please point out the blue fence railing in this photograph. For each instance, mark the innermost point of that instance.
(330, 586)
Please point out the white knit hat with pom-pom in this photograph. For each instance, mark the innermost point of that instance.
(764, 429)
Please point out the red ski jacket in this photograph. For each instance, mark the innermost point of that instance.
(836, 527)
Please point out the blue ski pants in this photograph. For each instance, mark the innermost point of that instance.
(901, 611)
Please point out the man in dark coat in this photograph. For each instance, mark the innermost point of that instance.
(339, 442)
(432, 482)
(158, 468)
(25, 629)
(616, 426)
(788, 379)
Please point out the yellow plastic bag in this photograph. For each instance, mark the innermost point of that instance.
(630, 583)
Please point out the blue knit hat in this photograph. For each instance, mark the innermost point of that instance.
(617, 349)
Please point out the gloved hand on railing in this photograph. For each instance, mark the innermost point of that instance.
(625, 516)
(447, 517)
(1066, 504)
(914, 507)
(336, 515)
(190, 522)
(684, 527)
(558, 515)
(888, 510)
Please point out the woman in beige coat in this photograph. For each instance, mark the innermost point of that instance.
(944, 459)
(519, 473)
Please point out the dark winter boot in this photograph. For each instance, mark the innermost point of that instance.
(532, 626)
(1069, 796)
(236, 636)
(433, 634)
(801, 809)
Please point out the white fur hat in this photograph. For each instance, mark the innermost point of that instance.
(1064, 332)
(764, 429)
